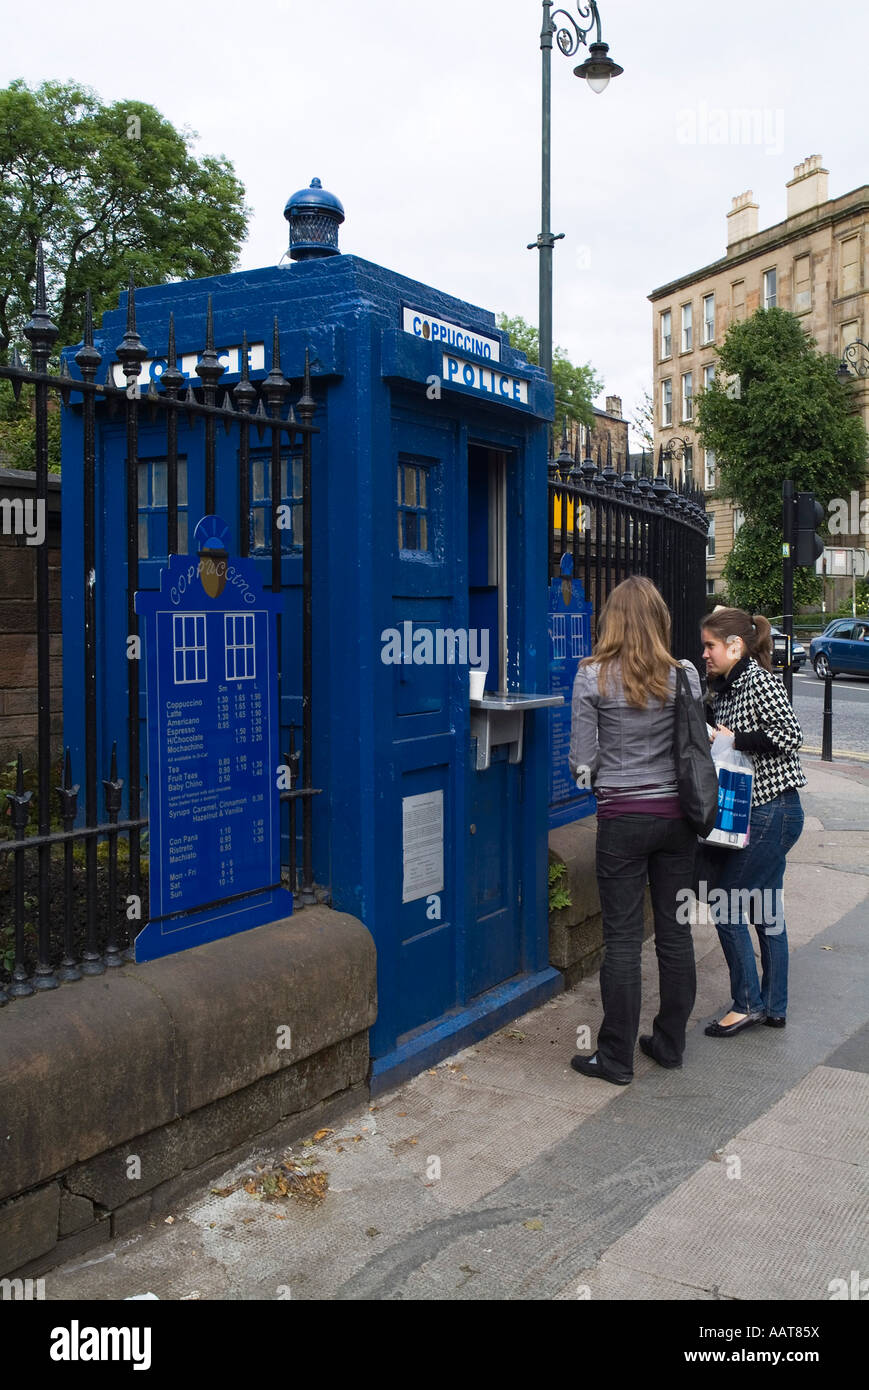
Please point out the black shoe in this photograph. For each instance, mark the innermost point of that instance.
(715, 1030)
(775, 1021)
(646, 1046)
(589, 1066)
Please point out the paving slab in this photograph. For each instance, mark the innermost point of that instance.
(502, 1174)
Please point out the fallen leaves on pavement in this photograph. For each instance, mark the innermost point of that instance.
(287, 1179)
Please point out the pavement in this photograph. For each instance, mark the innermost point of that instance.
(503, 1174)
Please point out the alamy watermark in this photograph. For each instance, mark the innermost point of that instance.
(739, 125)
(22, 1290)
(763, 907)
(435, 646)
(23, 516)
(849, 516)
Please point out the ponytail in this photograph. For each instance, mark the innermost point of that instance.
(755, 632)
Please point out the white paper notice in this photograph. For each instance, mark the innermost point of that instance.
(422, 827)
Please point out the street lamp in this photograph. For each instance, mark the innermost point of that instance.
(597, 70)
(855, 361)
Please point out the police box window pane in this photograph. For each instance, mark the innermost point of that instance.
(238, 630)
(559, 645)
(188, 643)
(261, 503)
(413, 506)
(154, 508)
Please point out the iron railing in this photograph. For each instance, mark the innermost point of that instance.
(615, 523)
(63, 947)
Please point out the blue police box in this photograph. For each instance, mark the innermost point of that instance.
(429, 540)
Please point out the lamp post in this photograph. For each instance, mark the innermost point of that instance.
(855, 361)
(678, 448)
(597, 70)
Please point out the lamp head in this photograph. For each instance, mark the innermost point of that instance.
(598, 67)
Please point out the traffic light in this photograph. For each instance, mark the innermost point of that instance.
(808, 545)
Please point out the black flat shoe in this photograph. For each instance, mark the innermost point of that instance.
(775, 1021)
(646, 1046)
(715, 1030)
(589, 1066)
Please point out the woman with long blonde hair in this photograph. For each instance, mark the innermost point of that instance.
(622, 745)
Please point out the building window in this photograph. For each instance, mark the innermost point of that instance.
(154, 508)
(667, 402)
(710, 586)
(688, 464)
(738, 521)
(240, 650)
(849, 265)
(666, 333)
(708, 376)
(850, 332)
(290, 520)
(802, 284)
(737, 300)
(710, 536)
(188, 642)
(769, 284)
(709, 469)
(709, 318)
(413, 500)
(687, 327)
(688, 396)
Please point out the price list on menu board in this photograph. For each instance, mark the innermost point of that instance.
(214, 804)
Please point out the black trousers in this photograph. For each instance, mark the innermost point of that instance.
(631, 850)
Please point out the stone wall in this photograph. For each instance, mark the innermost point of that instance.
(121, 1093)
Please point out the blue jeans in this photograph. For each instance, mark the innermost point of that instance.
(751, 885)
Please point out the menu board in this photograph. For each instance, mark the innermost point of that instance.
(213, 763)
(569, 642)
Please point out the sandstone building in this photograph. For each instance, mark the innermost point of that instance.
(815, 263)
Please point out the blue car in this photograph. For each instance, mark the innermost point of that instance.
(842, 648)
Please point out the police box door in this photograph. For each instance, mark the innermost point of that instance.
(493, 899)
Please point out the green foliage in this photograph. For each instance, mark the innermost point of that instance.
(111, 190)
(17, 430)
(575, 387)
(792, 419)
(753, 571)
(862, 600)
(559, 893)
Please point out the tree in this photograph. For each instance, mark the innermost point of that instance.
(643, 421)
(110, 190)
(789, 418)
(575, 387)
(18, 428)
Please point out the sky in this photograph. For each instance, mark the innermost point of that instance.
(424, 119)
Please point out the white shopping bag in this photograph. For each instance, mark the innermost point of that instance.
(735, 779)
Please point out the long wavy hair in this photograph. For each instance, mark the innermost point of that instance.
(755, 632)
(634, 638)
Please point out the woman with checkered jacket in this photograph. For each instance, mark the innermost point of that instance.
(750, 705)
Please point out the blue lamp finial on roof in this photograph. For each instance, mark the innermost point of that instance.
(314, 216)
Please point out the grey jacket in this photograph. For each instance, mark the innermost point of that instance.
(622, 746)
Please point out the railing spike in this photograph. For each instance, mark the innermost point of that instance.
(87, 358)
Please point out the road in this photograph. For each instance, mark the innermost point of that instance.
(850, 711)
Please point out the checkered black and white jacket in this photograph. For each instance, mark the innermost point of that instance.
(753, 703)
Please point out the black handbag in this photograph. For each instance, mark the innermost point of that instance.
(696, 776)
